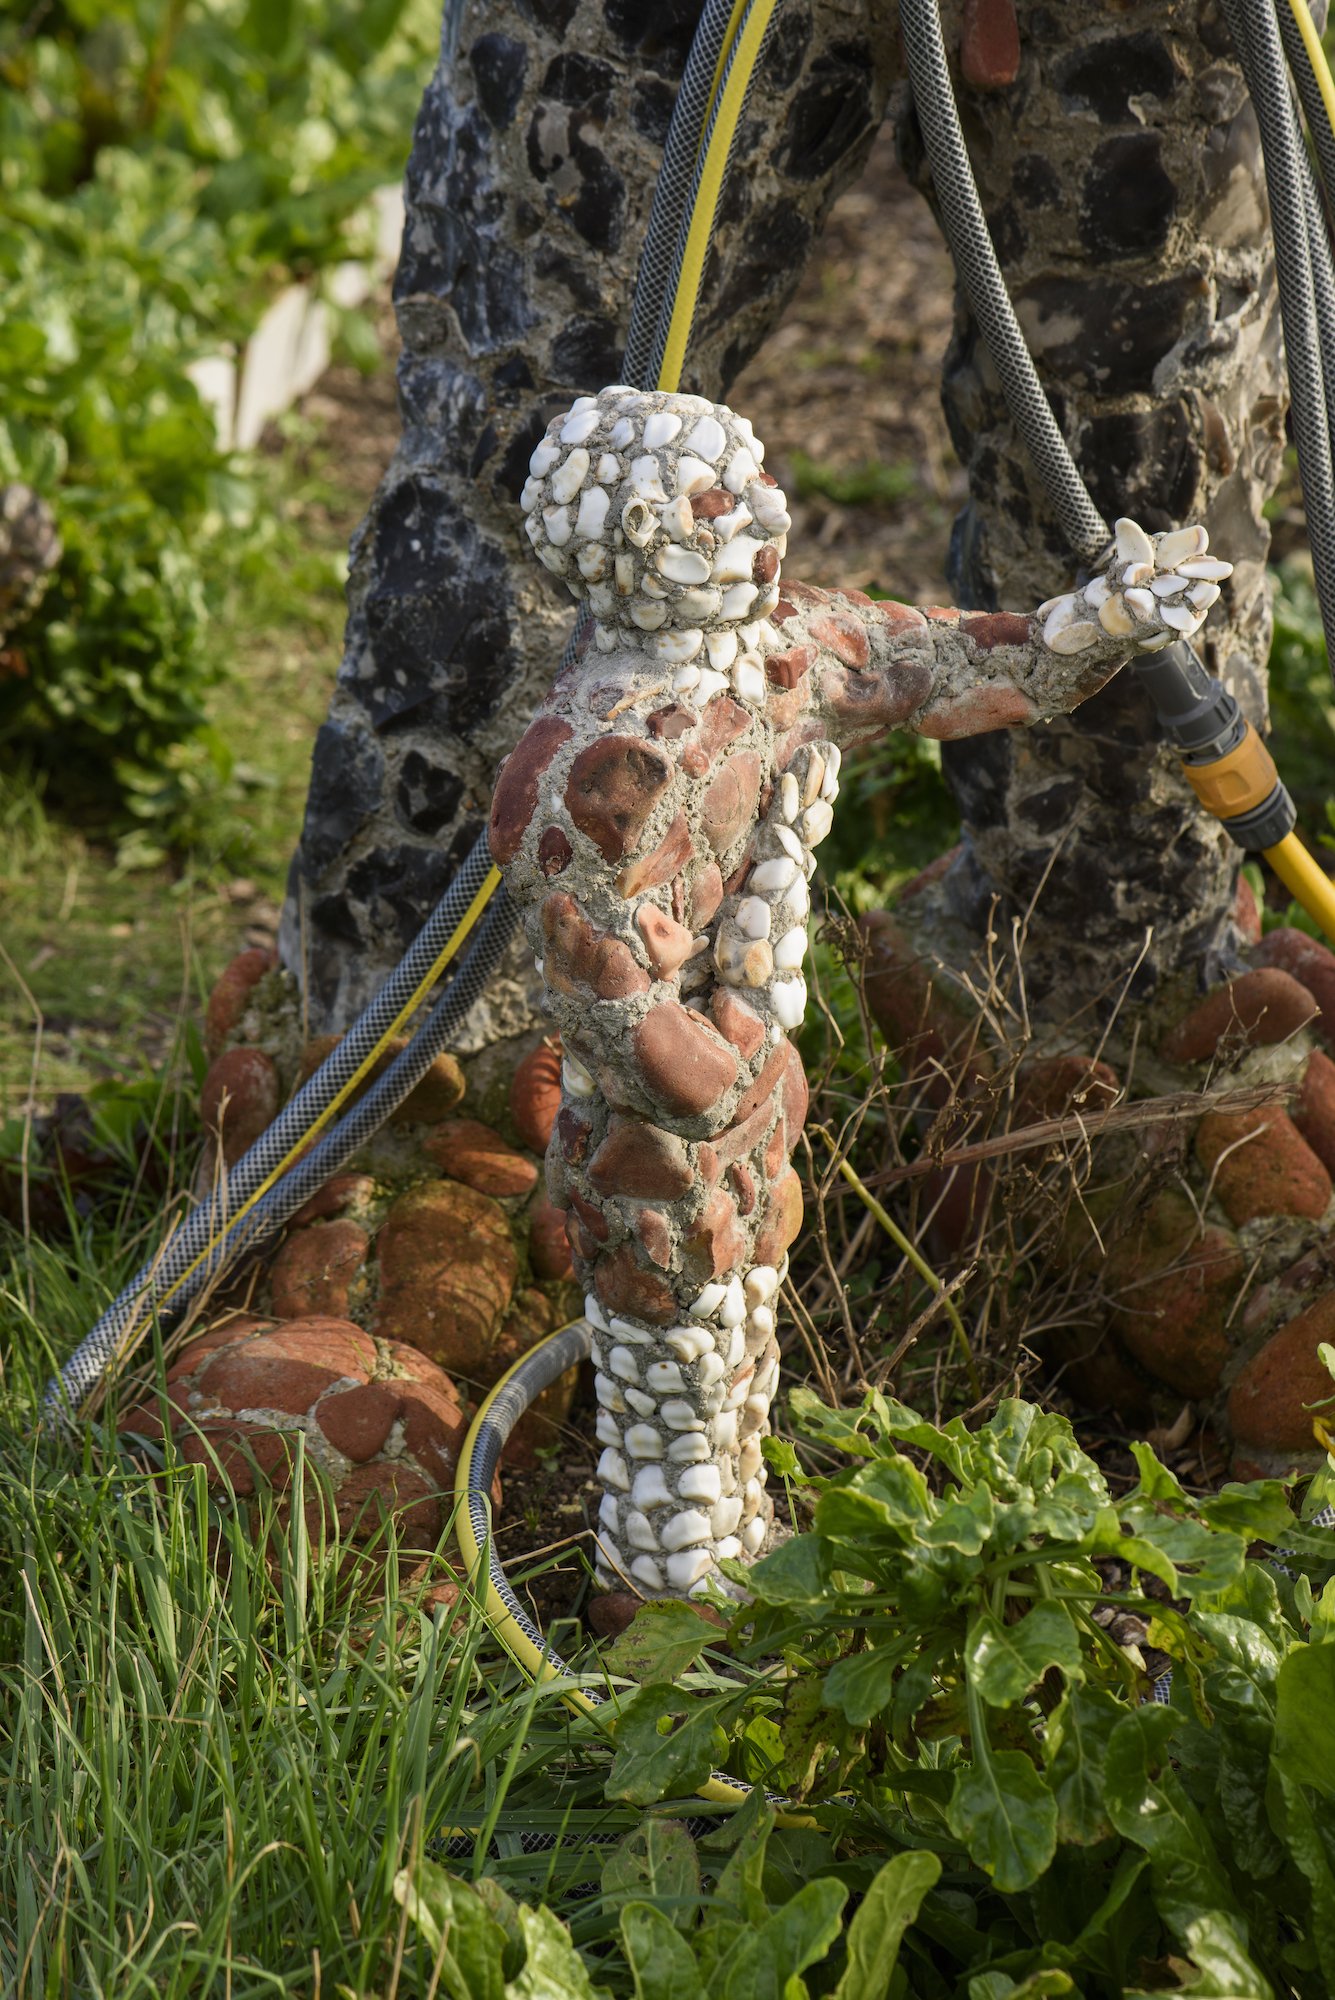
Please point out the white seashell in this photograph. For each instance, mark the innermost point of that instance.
(623, 433)
(1133, 544)
(675, 648)
(642, 1405)
(533, 491)
(722, 649)
(700, 1482)
(594, 561)
(1181, 618)
(1137, 573)
(1155, 645)
(685, 679)
(791, 949)
(750, 634)
(609, 1514)
(613, 1472)
(1048, 605)
(602, 599)
(1063, 614)
(625, 573)
(1203, 595)
(660, 428)
(819, 818)
(733, 562)
(582, 403)
(688, 1566)
(1208, 568)
(684, 1530)
(638, 524)
(761, 1322)
(650, 1488)
(639, 1532)
(736, 1347)
(708, 438)
(712, 1369)
(790, 801)
(690, 1342)
(753, 1534)
(728, 525)
(1116, 619)
(710, 1299)
(646, 1571)
(606, 1431)
(742, 469)
(693, 476)
(749, 1460)
(575, 1078)
(556, 523)
(774, 874)
(727, 1513)
(834, 760)
(733, 1309)
(592, 516)
(748, 679)
(680, 565)
(606, 639)
(813, 777)
(608, 470)
(1182, 545)
(664, 1377)
(570, 476)
(609, 1394)
(762, 1282)
(829, 791)
(1142, 602)
(623, 1363)
(643, 1441)
(688, 1447)
(789, 841)
(594, 1313)
(757, 1404)
(1075, 638)
(699, 603)
(754, 917)
(770, 505)
(580, 425)
(643, 484)
(1166, 586)
(679, 522)
(1097, 591)
(729, 1549)
(710, 685)
(648, 616)
(723, 1430)
(626, 1329)
(788, 1000)
(544, 458)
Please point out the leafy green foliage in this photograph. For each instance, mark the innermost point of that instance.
(162, 169)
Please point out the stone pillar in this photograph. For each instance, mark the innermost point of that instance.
(1119, 164)
(528, 192)
(657, 824)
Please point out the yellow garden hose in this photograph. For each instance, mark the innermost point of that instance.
(1316, 55)
(1305, 881)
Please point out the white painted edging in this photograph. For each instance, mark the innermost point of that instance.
(290, 348)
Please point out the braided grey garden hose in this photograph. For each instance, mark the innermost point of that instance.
(1309, 93)
(975, 258)
(1256, 39)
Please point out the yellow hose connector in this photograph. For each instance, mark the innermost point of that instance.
(1242, 778)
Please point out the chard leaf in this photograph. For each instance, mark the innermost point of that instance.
(863, 1685)
(466, 1944)
(877, 1929)
(1305, 1718)
(658, 1860)
(662, 1639)
(667, 1743)
(1005, 1661)
(1079, 1732)
(553, 1969)
(659, 1958)
(1006, 1816)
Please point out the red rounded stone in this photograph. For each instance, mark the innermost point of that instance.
(472, 1153)
(668, 944)
(1246, 915)
(685, 1066)
(515, 799)
(736, 1022)
(673, 851)
(591, 1216)
(729, 805)
(742, 1137)
(723, 721)
(548, 1241)
(910, 1001)
(1267, 1403)
(1174, 1291)
(614, 784)
(624, 1285)
(766, 565)
(995, 628)
(1259, 1008)
(554, 851)
(375, 1494)
(842, 634)
(535, 1094)
(239, 1099)
(448, 1268)
(1275, 1172)
(231, 996)
(654, 1232)
(572, 1135)
(989, 44)
(357, 1421)
(1314, 1112)
(1052, 1085)
(609, 1615)
(901, 618)
(706, 894)
(314, 1270)
(715, 500)
(1310, 962)
(255, 1381)
(783, 1220)
(343, 1191)
(433, 1424)
(640, 1160)
(788, 670)
(743, 1184)
(868, 704)
(578, 956)
(716, 1242)
(237, 1455)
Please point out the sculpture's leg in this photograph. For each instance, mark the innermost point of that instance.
(658, 825)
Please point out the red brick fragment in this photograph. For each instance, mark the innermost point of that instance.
(871, 703)
(578, 956)
(716, 1241)
(624, 1285)
(448, 1268)
(652, 1228)
(729, 805)
(548, 1241)
(737, 1022)
(685, 1065)
(652, 870)
(1257, 1009)
(668, 944)
(314, 1270)
(723, 721)
(640, 1160)
(989, 44)
(787, 670)
(843, 635)
(239, 1099)
(515, 799)
(713, 502)
(1267, 1403)
(995, 628)
(554, 851)
(670, 724)
(783, 1220)
(357, 1421)
(472, 1153)
(766, 565)
(614, 784)
(1275, 1172)
(706, 894)
(535, 1095)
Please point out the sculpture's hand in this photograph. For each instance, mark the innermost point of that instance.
(1151, 589)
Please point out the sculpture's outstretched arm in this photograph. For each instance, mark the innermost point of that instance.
(657, 825)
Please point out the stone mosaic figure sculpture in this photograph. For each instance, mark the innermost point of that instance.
(658, 824)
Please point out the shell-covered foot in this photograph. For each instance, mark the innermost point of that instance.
(1152, 590)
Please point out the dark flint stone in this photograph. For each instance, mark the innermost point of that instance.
(1122, 330)
(427, 794)
(1007, 233)
(499, 66)
(398, 883)
(513, 374)
(553, 15)
(587, 353)
(346, 774)
(777, 242)
(830, 113)
(651, 110)
(786, 45)
(452, 247)
(1103, 76)
(1035, 181)
(1051, 809)
(661, 35)
(483, 450)
(1128, 201)
(573, 79)
(1145, 463)
(513, 469)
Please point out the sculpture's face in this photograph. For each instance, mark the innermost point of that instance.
(654, 509)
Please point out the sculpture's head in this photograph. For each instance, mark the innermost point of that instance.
(654, 509)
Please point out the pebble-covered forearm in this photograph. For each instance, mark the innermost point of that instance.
(657, 825)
